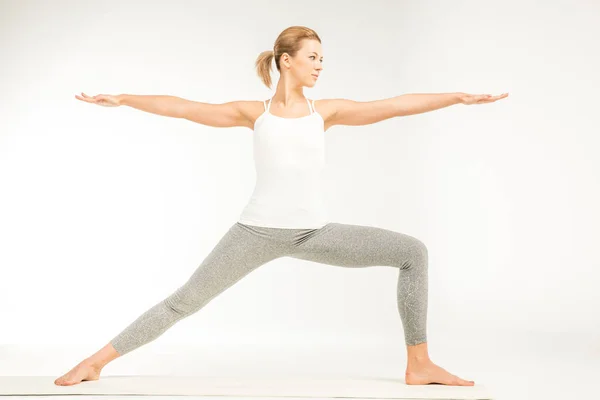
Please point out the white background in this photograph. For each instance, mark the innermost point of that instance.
(106, 211)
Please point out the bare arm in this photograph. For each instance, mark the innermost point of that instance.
(217, 115)
(350, 112)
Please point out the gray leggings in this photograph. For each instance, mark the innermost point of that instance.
(246, 247)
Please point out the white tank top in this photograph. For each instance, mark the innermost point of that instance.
(289, 158)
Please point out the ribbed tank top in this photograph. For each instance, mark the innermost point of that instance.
(289, 159)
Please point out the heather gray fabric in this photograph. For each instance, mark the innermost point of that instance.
(246, 247)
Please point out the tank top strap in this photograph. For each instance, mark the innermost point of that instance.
(309, 107)
(313, 105)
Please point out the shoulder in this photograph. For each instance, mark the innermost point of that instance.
(327, 108)
(250, 110)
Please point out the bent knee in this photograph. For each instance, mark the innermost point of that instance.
(416, 256)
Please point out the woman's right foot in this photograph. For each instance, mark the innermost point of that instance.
(84, 371)
(426, 372)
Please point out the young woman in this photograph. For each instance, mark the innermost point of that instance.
(285, 215)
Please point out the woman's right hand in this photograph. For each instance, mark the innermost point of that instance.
(105, 100)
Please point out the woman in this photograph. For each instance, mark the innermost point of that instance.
(285, 215)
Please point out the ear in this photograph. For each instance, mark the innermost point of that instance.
(285, 59)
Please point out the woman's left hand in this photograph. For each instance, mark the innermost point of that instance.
(480, 98)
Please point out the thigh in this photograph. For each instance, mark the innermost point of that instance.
(237, 253)
(349, 245)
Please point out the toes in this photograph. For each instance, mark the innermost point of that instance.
(62, 381)
(455, 380)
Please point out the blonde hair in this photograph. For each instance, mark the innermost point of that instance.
(288, 41)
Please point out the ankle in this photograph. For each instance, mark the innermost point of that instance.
(418, 353)
(415, 360)
(102, 357)
(96, 364)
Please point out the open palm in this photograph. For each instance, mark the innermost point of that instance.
(105, 100)
(481, 98)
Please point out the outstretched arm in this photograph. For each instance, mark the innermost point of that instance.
(230, 114)
(222, 115)
(349, 112)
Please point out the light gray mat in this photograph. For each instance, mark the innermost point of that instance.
(383, 388)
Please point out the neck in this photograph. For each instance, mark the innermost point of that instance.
(287, 93)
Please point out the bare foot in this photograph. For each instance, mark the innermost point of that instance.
(425, 372)
(83, 371)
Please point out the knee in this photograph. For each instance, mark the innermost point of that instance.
(417, 256)
(183, 301)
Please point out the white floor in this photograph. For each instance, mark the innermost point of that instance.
(516, 368)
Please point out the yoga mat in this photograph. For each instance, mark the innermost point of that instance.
(379, 388)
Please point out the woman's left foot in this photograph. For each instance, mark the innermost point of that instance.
(425, 372)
